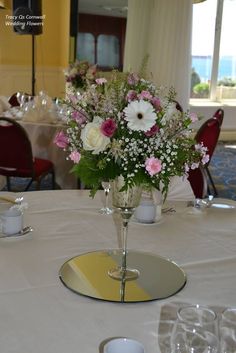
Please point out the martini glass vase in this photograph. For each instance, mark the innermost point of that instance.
(125, 203)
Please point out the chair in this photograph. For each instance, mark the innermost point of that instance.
(14, 101)
(178, 106)
(219, 115)
(16, 157)
(198, 181)
(208, 134)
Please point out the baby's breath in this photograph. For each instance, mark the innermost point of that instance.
(112, 143)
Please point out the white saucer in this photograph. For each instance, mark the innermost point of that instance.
(23, 234)
(223, 204)
(134, 220)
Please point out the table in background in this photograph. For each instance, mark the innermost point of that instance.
(40, 315)
(41, 136)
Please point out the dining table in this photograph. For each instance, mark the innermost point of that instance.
(41, 135)
(40, 314)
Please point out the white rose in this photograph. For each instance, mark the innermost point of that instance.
(92, 137)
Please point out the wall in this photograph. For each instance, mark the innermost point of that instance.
(51, 52)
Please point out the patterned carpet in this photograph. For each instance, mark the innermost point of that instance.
(222, 168)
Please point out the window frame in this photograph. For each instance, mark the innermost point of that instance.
(213, 98)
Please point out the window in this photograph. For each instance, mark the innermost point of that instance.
(86, 47)
(108, 51)
(103, 50)
(214, 50)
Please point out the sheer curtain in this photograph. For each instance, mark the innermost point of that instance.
(161, 29)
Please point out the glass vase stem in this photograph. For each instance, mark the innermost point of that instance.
(106, 197)
(126, 215)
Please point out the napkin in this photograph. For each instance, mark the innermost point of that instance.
(4, 105)
(179, 190)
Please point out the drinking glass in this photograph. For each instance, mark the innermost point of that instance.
(21, 97)
(227, 325)
(187, 338)
(199, 316)
(106, 187)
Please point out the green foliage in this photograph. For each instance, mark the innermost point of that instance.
(195, 79)
(91, 171)
(202, 90)
(227, 81)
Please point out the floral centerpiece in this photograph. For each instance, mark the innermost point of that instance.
(80, 73)
(129, 127)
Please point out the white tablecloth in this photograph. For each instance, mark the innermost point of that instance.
(39, 315)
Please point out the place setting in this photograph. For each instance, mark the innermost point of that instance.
(12, 218)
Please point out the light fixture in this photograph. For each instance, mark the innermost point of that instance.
(197, 1)
(115, 8)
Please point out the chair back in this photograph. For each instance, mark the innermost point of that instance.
(178, 106)
(15, 148)
(14, 101)
(219, 116)
(209, 134)
(198, 182)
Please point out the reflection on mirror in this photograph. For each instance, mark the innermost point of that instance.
(87, 274)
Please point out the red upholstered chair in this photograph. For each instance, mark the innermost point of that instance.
(209, 134)
(219, 115)
(178, 106)
(16, 157)
(198, 181)
(14, 101)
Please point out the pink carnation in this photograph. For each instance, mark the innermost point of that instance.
(75, 156)
(131, 95)
(153, 165)
(108, 127)
(156, 103)
(79, 117)
(145, 95)
(61, 140)
(153, 131)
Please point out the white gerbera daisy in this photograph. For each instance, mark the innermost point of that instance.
(140, 115)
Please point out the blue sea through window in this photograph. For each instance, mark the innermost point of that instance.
(203, 65)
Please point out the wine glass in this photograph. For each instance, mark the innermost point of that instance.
(124, 202)
(227, 327)
(106, 187)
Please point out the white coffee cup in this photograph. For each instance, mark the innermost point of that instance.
(146, 211)
(124, 345)
(11, 221)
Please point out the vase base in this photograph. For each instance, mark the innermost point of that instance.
(120, 274)
(106, 210)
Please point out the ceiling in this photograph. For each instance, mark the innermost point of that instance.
(116, 8)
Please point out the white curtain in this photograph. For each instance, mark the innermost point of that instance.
(161, 29)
